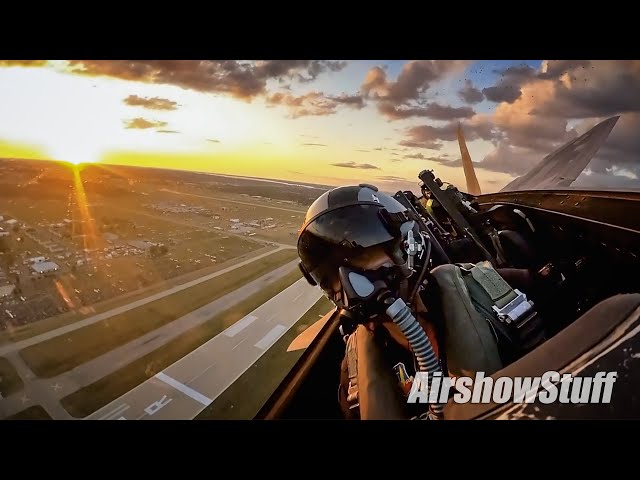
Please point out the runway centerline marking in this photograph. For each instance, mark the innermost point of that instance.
(181, 387)
(238, 344)
(116, 412)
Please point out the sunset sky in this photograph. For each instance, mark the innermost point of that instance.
(330, 122)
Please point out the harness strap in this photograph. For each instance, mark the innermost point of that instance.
(352, 366)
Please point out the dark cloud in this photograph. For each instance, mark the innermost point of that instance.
(354, 101)
(391, 178)
(535, 115)
(316, 67)
(401, 98)
(143, 123)
(502, 93)
(557, 68)
(379, 148)
(167, 131)
(508, 88)
(434, 111)
(155, 103)
(429, 136)
(312, 103)
(469, 93)
(313, 145)
(610, 180)
(621, 152)
(509, 159)
(593, 88)
(365, 151)
(213, 140)
(364, 166)
(241, 79)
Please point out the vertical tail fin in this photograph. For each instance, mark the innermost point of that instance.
(473, 187)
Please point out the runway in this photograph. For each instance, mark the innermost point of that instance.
(185, 388)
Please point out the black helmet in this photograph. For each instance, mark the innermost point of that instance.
(349, 222)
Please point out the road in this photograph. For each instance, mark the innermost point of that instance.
(12, 347)
(48, 392)
(184, 389)
(251, 204)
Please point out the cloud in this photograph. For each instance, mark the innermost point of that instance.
(213, 140)
(155, 103)
(313, 145)
(354, 101)
(470, 94)
(365, 151)
(402, 97)
(167, 131)
(313, 103)
(364, 166)
(434, 111)
(502, 93)
(142, 123)
(240, 79)
(508, 88)
(391, 178)
(536, 114)
(430, 137)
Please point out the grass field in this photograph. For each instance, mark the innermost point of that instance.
(62, 353)
(92, 397)
(243, 399)
(51, 323)
(35, 412)
(10, 381)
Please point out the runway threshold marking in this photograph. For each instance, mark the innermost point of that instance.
(240, 325)
(271, 337)
(190, 392)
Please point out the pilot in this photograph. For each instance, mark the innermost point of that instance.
(364, 229)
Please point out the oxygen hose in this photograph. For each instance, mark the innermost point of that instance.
(401, 315)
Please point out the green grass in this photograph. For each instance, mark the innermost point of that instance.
(10, 381)
(88, 399)
(32, 329)
(32, 413)
(62, 353)
(244, 398)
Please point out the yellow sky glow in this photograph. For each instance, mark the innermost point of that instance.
(51, 114)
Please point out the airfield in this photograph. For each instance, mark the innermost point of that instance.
(147, 294)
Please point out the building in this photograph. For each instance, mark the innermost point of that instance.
(4, 234)
(140, 244)
(7, 290)
(36, 259)
(44, 268)
(13, 221)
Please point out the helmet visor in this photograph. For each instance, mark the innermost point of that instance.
(335, 238)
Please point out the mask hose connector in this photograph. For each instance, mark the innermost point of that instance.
(401, 315)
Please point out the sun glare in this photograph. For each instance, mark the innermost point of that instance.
(76, 154)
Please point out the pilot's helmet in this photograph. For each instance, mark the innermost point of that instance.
(348, 226)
